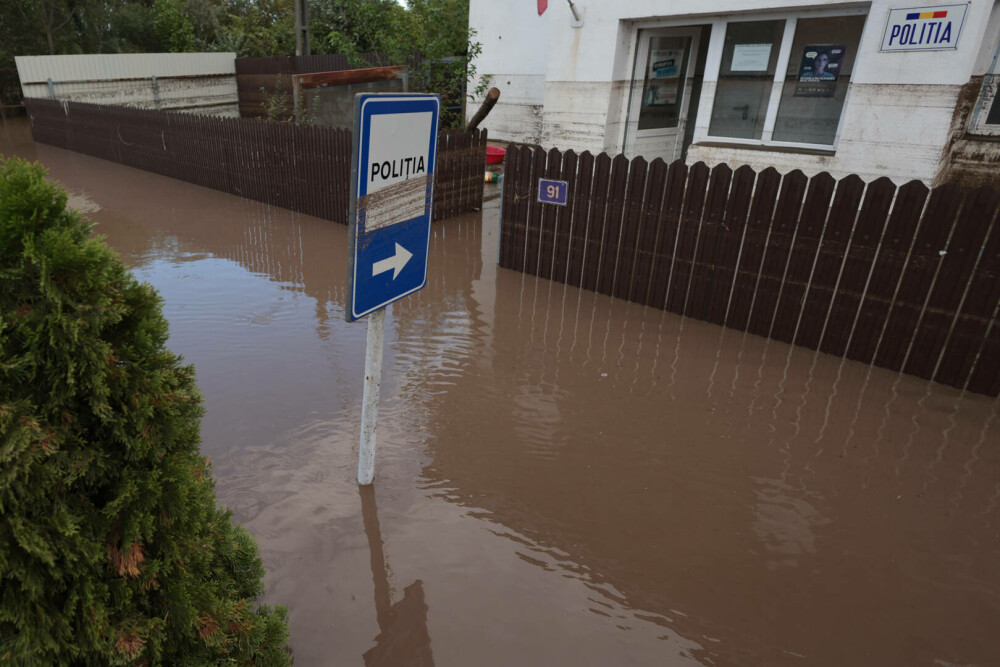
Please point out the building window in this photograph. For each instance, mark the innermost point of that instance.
(816, 79)
(663, 88)
(746, 76)
(784, 81)
(993, 117)
(986, 116)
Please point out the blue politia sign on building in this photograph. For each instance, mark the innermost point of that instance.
(924, 28)
(392, 186)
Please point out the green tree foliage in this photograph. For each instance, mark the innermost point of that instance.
(256, 28)
(248, 27)
(435, 29)
(112, 548)
(132, 25)
(21, 31)
(354, 27)
(172, 26)
(441, 26)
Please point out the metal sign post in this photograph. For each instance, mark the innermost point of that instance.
(389, 226)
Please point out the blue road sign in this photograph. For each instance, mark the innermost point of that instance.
(392, 187)
(552, 192)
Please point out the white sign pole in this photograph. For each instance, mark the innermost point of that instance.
(369, 404)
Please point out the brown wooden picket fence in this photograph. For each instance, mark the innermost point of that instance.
(298, 167)
(903, 278)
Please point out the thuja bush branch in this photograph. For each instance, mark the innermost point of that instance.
(113, 550)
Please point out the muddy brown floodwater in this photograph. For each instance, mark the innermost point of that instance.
(561, 478)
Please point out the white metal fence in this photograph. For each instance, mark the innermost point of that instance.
(202, 82)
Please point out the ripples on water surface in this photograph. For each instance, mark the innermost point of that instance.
(561, 478)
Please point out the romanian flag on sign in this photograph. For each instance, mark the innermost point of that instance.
(926, 15)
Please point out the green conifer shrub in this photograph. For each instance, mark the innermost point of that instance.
(112, 548)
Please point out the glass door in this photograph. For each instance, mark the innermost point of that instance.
(660, 97)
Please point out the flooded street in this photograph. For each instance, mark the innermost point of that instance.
(561, 478)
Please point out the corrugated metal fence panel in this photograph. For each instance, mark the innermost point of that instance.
(809, 261)
(104, 67)
(299, 167)
(183, 81)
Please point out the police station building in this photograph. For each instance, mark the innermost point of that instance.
(882, 88)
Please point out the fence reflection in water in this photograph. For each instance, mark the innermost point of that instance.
(904, 278)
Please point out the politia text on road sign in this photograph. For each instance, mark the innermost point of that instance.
(392, 187)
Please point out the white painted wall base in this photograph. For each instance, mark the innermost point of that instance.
(877, 138)
(576, 114)
(517, 116)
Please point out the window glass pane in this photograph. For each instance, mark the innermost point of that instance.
(746, 77)
(663, 90)
(993, 117)
(819, 71)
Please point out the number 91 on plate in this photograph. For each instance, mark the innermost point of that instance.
(553, 192)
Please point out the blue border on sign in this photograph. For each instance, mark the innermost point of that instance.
(366, 106)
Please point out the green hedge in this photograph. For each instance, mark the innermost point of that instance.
(112, 548)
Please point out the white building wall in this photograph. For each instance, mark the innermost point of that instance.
(195, 82)
(896, 120)
(514, 39)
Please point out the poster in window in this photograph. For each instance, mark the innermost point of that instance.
(819, 70)
(663, 77)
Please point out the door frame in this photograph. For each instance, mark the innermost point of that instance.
(633, 105)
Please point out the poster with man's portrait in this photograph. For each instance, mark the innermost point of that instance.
(819, 70)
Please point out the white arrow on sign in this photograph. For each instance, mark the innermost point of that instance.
(395, 263)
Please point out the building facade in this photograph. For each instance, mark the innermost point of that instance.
(883, 88)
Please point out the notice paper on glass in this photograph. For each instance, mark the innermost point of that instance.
(664, 76)
(750, 57)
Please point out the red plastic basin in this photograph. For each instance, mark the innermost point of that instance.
(495, 154)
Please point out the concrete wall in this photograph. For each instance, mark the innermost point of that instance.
(195, 82)
(969, 159)
(897, 119)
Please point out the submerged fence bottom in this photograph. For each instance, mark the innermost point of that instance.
(903, 278)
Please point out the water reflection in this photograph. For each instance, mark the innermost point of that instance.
(566, 478)
(614, 460)
(403, 638)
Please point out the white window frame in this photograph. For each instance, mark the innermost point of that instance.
(987, 95)
(713, 64)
